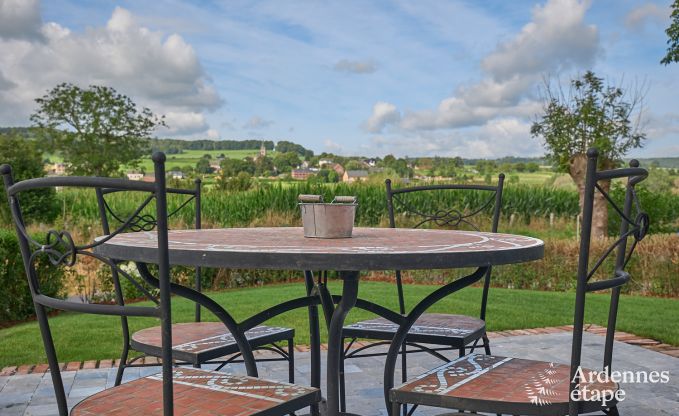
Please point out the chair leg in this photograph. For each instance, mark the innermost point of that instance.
(486, 344)
(462, 351)
(404, 371)
(395, 408)
(613, 411)
(122, 365)
(291, 360)
(342, 386)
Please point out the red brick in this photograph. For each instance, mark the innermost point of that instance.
(41, 368)
(24, 369)
(105, 363)
(673, 353)
(72, 366)
(88, 365)
(8, 371)
(643, 342)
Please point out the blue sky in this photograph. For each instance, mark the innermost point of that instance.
(353, 77)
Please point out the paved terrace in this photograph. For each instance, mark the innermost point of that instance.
(28, 390)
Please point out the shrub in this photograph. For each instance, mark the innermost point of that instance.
(25, 157)
(15, 298)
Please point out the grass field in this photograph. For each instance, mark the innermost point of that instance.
(191, 157)
(89, 337)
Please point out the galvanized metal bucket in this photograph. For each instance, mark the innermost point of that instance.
(323, 220)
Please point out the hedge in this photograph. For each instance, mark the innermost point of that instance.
(15, 298)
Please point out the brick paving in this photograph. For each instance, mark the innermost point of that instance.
(31, 393)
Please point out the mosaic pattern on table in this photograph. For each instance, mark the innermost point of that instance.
(364, 240)
(252, 387)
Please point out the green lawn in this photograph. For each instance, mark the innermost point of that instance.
(90, 337)
(191, 157)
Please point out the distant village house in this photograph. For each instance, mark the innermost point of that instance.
(301, 174)
(135, 176)
(355, 175)
(339, 169)
(176, 174)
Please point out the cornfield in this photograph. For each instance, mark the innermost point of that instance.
(234, 209)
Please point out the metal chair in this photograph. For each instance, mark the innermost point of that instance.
(448, 331)
(502, 385)
(195, 342)
(182, 389)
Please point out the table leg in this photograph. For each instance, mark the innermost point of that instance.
(349, 295)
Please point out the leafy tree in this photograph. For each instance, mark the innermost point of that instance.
(25, 158)
(240, 182)
(354, 165)
(203, 166)
(264, 166)
(673, 37)
(285, 162)
(591, 115)
(532, 167)
(231, 167)
(285, 146)
(95, 129)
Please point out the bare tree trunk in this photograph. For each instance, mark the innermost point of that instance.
(578, 170)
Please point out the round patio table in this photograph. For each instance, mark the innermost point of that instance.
(286, 248)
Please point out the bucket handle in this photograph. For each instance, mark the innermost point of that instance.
(306, 198)
(345, 199)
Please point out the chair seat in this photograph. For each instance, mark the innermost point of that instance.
(430, 328)
(200, 392)
(486, 383)
(197, 342)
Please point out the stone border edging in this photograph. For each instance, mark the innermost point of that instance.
(648, 343)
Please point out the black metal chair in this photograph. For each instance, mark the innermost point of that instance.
(502, 385)
(186, 390)
(195, 342)
(448, 331)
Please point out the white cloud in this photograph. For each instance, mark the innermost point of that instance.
(507, 136)
(155, 70)
(383, 114)
(213, 134)
(648, 12)
(355, 67)
(185, 123)
(331, 146)
(20, 19)
(556, 39)
(256, 123)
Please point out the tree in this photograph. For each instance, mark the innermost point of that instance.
(532, 167)
(231, 167)
(591, 115)
(25, 158)
(95, 129)
(203, 166)
(672, 37)
(285, 162)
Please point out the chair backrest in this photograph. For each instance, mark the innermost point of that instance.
(146, 222)
(634, 226)
(478, 199)
(61, 250)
